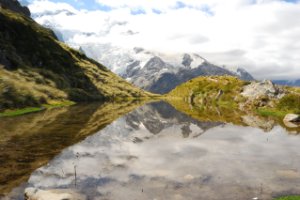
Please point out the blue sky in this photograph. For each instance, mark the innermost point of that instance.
(94, 5)
(82, 4)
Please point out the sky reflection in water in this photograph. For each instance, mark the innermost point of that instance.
(155, 152)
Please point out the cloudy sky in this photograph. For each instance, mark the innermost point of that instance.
(262, 36)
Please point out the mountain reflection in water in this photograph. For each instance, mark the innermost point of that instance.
(156, 152)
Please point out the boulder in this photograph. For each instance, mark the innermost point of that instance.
(292, 118)
(38, 194)
(257, 90)
(290, 124)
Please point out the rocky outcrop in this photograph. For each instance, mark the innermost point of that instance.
(38, 194)
(256, 90)
(15, 6)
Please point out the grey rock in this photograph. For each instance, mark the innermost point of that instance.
(255, 90)
(291, 124)
(291, 118)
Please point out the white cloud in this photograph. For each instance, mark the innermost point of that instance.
(262, 36)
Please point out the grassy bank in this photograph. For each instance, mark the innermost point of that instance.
(27, 110)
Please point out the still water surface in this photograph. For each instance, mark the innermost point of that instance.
(157, 152)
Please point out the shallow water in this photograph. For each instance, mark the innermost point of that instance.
(156, 152)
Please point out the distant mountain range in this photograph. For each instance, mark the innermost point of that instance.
(154, 71)
(157, 72)
(287, 82)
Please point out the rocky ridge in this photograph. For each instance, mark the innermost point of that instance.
(15, 6)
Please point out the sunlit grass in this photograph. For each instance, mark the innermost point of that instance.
(13, 113)
(289, 198)
(271, 112)
(27, 110)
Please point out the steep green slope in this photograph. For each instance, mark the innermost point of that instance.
(35, 68)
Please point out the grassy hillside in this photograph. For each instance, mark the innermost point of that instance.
(35, 69)
(211, 91)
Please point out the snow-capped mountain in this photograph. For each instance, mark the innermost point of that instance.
(154, 71)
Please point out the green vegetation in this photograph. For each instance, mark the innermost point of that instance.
(290, 103)
(271, 112)
(17, 112)
(224, 93)
(20, 112)
(56, 104)
(221, 91)
(289, 198)
(37, 69)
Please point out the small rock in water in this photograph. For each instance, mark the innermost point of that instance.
(38, 194)
(291, 121)
(292, 118)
